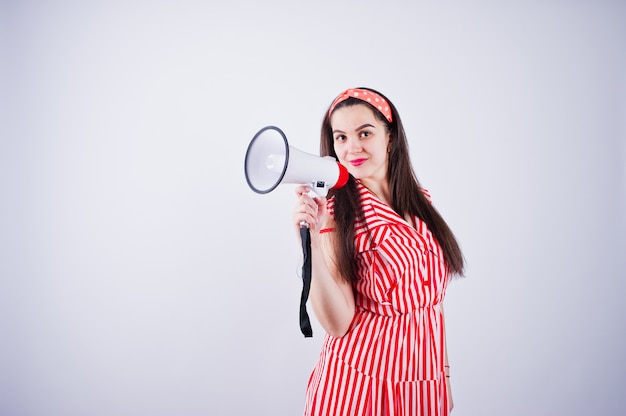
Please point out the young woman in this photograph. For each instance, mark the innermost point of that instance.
(382, 257)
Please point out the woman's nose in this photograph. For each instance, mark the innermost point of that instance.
(354, 146)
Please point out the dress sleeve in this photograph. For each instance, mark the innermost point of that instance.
(426, 194)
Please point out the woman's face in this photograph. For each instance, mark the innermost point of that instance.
(361, 142)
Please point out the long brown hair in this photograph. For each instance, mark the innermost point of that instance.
(406, 194)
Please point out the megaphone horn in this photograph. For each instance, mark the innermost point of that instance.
(270, 161)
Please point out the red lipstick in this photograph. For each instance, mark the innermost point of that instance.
(357, 162)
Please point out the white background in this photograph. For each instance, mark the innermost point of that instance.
(139, 275)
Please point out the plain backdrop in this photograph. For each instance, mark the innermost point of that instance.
(139, 275)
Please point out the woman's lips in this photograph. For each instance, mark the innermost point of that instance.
(357, 162)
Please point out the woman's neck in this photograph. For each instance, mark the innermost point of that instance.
(380, 189)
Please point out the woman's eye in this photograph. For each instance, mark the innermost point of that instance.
(340, 138)
(365, 134)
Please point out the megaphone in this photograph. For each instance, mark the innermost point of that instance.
(270, 161)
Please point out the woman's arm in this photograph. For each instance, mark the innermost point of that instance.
(332, 297)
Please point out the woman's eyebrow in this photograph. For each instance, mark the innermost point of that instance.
(357, 129)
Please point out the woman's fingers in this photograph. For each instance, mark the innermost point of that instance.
(305, 210)
(308, 209)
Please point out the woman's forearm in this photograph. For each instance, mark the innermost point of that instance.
(332, 297)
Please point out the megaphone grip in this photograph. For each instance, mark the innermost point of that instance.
(305, 323)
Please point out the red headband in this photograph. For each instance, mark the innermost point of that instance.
(369, 97)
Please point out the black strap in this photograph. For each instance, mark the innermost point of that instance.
(305, 323)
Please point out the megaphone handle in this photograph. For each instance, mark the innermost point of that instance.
(304, 224)
(305, 323)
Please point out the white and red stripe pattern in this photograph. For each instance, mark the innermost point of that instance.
(391, 361)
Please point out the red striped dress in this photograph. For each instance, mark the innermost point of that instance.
(391, 360)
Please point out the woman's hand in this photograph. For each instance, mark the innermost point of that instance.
(310, 210)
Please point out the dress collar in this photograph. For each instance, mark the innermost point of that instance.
(372, 204)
